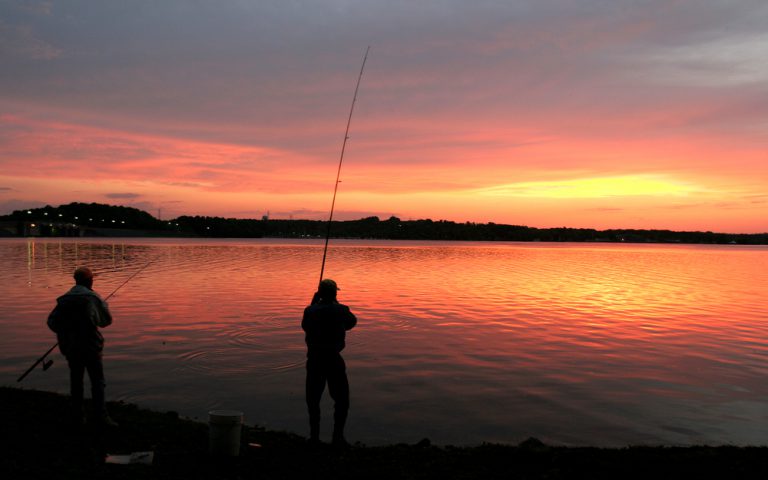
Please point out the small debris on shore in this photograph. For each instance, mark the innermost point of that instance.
(40, 442)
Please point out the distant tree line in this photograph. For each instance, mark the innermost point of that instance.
(91, 214)
(396, 229)
(99, 218)
(88, 218)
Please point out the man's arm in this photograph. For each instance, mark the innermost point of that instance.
(105, 315)
(350, 320)
(305, 320)
(53, 319)
(100, 314)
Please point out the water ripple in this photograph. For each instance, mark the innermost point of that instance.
(597, 344)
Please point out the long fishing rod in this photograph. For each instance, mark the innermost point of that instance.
(47, 364)
(341, 159)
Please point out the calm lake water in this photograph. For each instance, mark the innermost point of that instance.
(576, 344)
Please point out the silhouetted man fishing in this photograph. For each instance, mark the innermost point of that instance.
(326, 322)
(76, 319)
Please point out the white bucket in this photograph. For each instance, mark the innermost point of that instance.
(224, 427)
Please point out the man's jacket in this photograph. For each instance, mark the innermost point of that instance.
(325, 325)
(76, 320)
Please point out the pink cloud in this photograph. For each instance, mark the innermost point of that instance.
(456, 97)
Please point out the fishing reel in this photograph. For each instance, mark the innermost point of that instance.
(44, 360)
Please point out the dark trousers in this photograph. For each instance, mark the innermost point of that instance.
(78, 364)
(321, 369)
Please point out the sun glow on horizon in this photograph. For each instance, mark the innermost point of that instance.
(600, 187)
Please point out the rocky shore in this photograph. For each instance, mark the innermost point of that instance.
(38, 441)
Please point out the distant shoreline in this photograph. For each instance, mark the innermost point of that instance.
(319, 240)
(99, 220)
(661, 237)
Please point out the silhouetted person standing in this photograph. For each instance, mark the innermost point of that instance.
(76, 319)
(326, 322)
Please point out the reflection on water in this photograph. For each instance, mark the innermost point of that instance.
(581, 344)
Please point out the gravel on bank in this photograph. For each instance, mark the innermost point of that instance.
(39, 441)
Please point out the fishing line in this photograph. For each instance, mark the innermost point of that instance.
(341, 159)
(47, 364)
(128, 280)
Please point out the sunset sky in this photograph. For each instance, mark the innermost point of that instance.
(604, 114)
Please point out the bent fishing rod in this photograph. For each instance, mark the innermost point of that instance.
(47, 364)
(341, 159)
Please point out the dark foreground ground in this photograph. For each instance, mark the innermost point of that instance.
(38, 443)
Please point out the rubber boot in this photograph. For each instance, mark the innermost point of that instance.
(314, 431)
(338, 431)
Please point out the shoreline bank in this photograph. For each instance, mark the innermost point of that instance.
(39, 443)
